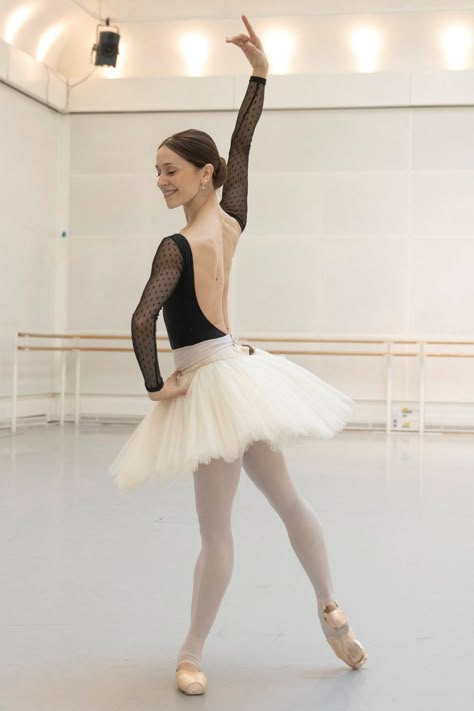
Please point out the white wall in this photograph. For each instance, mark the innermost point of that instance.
(34, 146)
(361, 221)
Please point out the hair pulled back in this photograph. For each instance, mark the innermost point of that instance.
(198, 148)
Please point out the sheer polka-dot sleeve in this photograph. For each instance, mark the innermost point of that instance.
(234, 191)
(166, 271)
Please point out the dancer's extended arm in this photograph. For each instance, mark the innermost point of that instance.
(234, 192)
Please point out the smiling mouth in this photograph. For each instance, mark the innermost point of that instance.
(170, 193)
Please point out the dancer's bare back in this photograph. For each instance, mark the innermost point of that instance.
(213, 243)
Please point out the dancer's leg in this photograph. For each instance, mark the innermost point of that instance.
(215, 485)
(269, 472)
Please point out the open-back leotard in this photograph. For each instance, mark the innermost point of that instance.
(171, 283)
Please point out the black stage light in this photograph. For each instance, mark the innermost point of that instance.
(106, 46)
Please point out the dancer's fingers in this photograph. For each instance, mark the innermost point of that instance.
(254, 38)
(249, 27)
(238, 38)
(244, 44)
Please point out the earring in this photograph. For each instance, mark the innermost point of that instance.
(202, 187)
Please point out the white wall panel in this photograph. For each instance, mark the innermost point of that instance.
(110, 204)
(375, 203)
(277, 285)
(153, 94)
(321, 88)
(442, 87)
(112, 143)
(443, 204)
(443, 287)
(40, 266)
(28, 206)
(27, 295)
(13, 284)
(285, 203)
(28, 145)
(332, 140)
(443, 139)
(312, 90)
(364, 285)
(450, 380)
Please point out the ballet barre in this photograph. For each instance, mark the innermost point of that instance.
(386, 352)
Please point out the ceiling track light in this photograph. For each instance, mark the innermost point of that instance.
(106, 45)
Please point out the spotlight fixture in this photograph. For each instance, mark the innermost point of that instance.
(106, 46)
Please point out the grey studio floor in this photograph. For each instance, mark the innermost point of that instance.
(96, 582)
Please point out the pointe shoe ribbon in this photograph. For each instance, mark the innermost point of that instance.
(191, 682)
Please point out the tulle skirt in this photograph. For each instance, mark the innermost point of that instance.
(237, 394)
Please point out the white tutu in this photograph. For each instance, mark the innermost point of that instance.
(234, 398)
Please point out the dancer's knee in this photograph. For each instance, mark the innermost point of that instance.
(216, 536)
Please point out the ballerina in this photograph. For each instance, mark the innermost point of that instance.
(227, 404)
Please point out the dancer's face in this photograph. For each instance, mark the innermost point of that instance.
(178, 179)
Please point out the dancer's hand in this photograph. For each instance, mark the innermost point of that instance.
(252, 47)
(170, 389)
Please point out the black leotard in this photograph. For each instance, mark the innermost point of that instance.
(171, 283)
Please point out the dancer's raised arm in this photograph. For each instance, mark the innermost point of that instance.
(234, 191)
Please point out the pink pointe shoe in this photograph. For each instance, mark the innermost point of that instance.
(341, 637)
(190, 681)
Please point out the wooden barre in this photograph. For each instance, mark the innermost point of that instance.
(262, 339)
(276, 352)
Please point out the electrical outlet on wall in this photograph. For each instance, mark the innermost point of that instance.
(404, 417)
